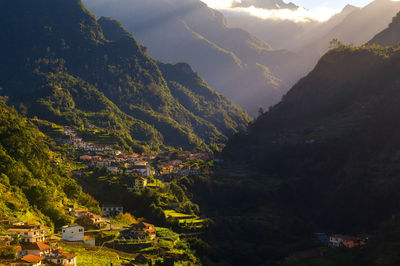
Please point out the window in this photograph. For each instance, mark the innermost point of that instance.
(80, 230)
(64, 231)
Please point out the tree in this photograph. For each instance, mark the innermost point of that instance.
(260, 111)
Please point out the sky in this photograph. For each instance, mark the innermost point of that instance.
(310, 10)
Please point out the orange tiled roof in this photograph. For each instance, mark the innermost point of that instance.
(67, 255)
(142, 225)
(35, 246)
(151, 230)
(31, 258)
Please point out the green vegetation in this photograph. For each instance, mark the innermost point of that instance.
(124, 220)
(106, 86)
(148, 203)
(96, 255)
(32, 187)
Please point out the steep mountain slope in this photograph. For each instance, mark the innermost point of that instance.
(32, 187)
(58, 63)
(360, 26)
(334, 140)
(232, 61)
(389, 36)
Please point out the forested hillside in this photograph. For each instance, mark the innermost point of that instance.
(235, 63)
(334, 139)
(33, 188)
(58, 65)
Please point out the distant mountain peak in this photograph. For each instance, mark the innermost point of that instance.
(350, 8)
(266, 4)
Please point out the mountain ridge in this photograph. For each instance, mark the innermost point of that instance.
(189, 31)
(70, 58)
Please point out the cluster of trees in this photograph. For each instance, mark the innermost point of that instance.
(32, 185)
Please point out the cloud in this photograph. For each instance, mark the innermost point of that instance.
(220, 3)
(297, 15)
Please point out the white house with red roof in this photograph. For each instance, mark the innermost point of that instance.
(30, 233)
(61, 258)
(39, 249)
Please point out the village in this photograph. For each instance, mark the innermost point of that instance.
(38, 245)
(34, 244)
(159, 165)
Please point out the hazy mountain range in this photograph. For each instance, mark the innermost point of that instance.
(253, 69)
(237, 64)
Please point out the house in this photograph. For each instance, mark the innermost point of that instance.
(352, 242)
(346, 241)
(143, 231)
(143, 170)
(140, 183)
(142, 167)
(73, 233)
(29, 259)
(30, 233)
(38, 249)
(112, 210)
(165, 170)
(335, 240)
(89, 219)
(90, 241)
(112, 169)
(85, 157)
(61, 258)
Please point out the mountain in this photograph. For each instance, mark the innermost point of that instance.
(334, 140)
(32, 187)
(64, 66)
(361, 25)
(389, 36)
(266, 4)
(234, 62)
(286, 34)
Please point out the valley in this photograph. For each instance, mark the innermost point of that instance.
(167, 132)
